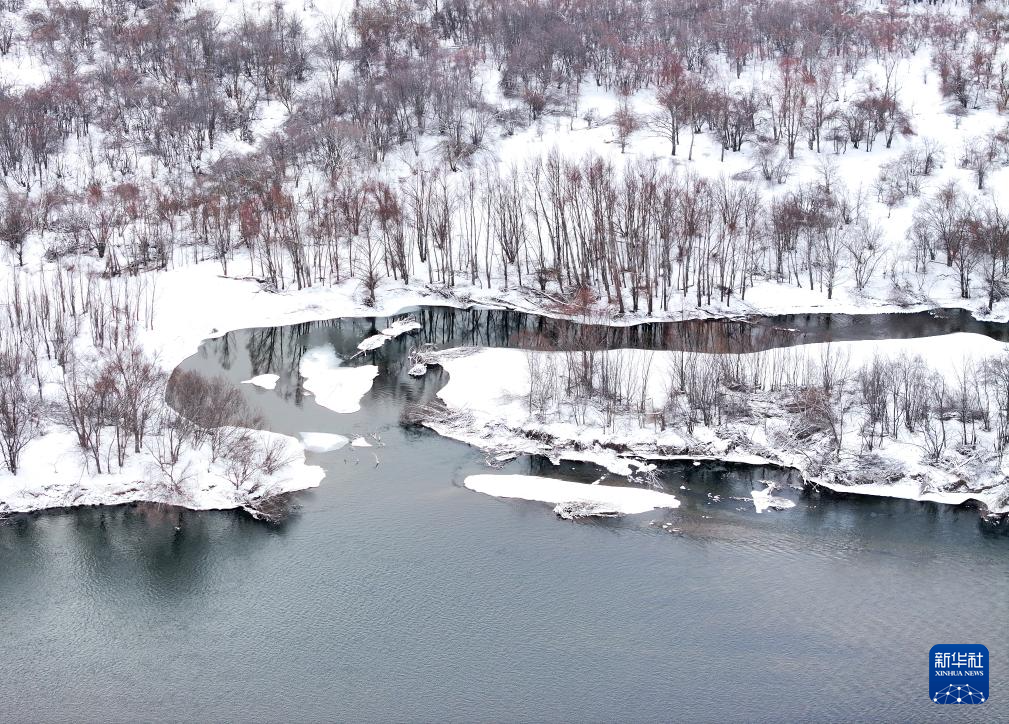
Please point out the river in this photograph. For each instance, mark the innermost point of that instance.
(395, 594)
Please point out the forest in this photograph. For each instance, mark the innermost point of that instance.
(604, 158)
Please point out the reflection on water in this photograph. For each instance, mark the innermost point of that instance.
(397, 595)
(278, 347)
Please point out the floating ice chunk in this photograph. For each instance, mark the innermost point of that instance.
(763, 500)
(360, 442)
(401, 326)
(267, 382)
(372, 343)
(418, 370)
(571, 496)
(334, 386)
(323, 441)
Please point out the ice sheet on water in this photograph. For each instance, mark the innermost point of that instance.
(267, 382)
(323, 441)
(571, 497)
(370, 344)
(401, 326)
(763, 500)
(334, 386)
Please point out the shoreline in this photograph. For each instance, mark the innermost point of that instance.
(499, 418)
(630, 462)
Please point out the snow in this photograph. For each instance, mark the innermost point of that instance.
(323, 441)
(336, 387)
(418, 370)
(267, 382)
(188, 304)
(360, 442)
(194, 302)
(626, 501)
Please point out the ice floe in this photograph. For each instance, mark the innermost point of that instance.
(267, 382)
(334, 386)
(323, 441)
(370, 344)
(572, 499)
(763, 500)
(401, 326)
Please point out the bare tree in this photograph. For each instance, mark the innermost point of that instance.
(18, 219)
(20, 409)
(626, 122)
(864, 244)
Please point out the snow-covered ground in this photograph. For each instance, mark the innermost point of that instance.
(190, 304)
(488, 401)
(53, 476)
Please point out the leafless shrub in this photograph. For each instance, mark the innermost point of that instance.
(215, 409)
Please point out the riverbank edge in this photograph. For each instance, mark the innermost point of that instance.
(637, 463)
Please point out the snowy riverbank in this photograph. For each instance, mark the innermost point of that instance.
(54, 476)
(488, 405)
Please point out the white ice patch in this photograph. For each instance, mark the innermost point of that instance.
(401, 326)
(319, 359)
(336, 387)
(763, 500)
(612, 499)
(267, 382)
(360, 442)
(323, 441)
(372, 343)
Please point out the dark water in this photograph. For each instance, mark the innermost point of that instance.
(397, 595)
